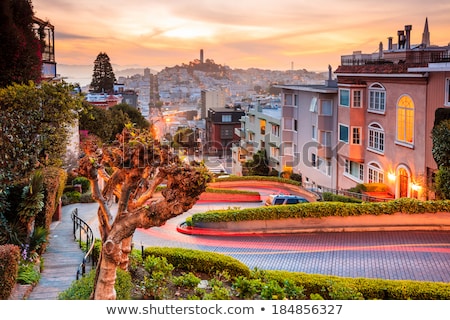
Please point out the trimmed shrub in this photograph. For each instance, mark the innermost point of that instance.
(333, 287)
(322, 209)
(84, 182)
(201, 261)
(9, 267)
(328, 196)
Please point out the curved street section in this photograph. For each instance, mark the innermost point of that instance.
(407, 255)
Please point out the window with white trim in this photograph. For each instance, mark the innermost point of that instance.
(375, 173)
(326, 108)
(343, 133)
(226, 118)
(376, 138)
(288, 99)
(354, 170)
(325, 138)
(275, 130)
(377, 98)
(344, 97)
(324, 166)
(296, 100)
(356, 135)
(274, 152)
(313, 132)
(288, 123)
(405, 120)
(357, 98)
(313, 105)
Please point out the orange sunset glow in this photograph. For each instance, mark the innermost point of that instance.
(265, 34)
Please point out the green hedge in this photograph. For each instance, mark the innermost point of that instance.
(323, 209)
(231, 191)
(328, 196)
(369, 288)
(201, 261)
(259, 178)
(9, 267)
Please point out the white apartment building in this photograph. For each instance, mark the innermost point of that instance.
(260, 130)
(308, 135)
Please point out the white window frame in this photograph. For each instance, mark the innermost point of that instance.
(288, 124)
(325, 112)
(227, 118)
(341, 90)
(374, 173)
(357, 103)
(314, 132)
(288, 99)
(275, 129)
(296, 100)
(359, 132)
(313, 105)
(339, 133)
(348, 170)
(377, 99)
(405, 143)
(325, 138)
(376, 138)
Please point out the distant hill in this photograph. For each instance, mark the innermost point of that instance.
(82, 74)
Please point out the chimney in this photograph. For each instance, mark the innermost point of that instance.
(401, 39)
(390, 44)
(380, 51)
(408, 29)
(201, 55)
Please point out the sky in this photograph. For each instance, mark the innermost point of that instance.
(275, 34)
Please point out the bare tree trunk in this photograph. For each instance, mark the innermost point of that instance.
(104, 286)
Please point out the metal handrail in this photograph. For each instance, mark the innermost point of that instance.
(82, 228)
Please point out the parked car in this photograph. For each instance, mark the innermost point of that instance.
(278, 199)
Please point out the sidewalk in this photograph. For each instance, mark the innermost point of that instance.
(61, 260)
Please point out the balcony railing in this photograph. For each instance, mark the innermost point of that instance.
(422, 57)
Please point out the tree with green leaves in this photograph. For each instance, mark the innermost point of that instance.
(106, 124)
(441, 154)
(103, 77)
(34, 128)
(258, 166)
(20, 46)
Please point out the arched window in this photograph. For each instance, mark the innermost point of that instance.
(405, 120)
(376, 138)
(375, 173)
(377, 98)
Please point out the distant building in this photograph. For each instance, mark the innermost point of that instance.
(260, 130)
(103, 100)
(309, 120)
(211, 99)
(46, 33)
(220, 130)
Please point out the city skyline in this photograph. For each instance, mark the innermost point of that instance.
(268, 35)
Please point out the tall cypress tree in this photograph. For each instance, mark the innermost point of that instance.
(103, 77)
(20, 47)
